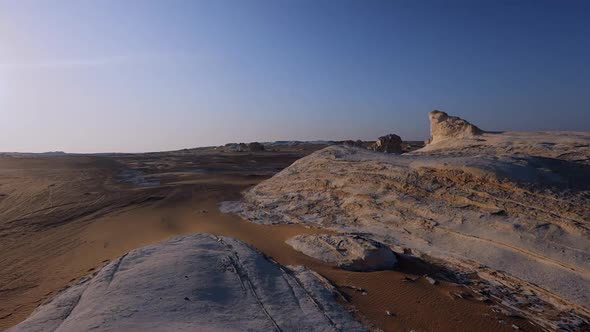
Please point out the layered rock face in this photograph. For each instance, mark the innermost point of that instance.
(389, 144)
(444, 127)
(507, 204)
(349, 252)
(194, 283)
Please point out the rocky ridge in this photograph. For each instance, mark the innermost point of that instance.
(507, 206)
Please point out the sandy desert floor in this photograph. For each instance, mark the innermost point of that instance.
(63, 217)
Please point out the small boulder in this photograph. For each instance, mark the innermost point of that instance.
(389, 144)
(430, 280)
(348, 251)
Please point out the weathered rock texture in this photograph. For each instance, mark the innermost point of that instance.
(389, 144)
(194, 283)
(444, 127)
(350, 252)
(507, 204)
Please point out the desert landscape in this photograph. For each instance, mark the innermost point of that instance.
(294, 166)
(476, 230)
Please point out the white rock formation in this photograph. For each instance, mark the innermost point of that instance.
(194, 283)
(348, 251)
(444, 127)
(569, 146)
(507, 204)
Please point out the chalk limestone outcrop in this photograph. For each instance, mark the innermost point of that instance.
(194, 283)
(444, 127)
(348, 251)
(564, 146)
(515, 205)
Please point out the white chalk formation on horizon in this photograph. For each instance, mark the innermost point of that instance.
(443, 127)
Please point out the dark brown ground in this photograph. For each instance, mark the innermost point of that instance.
(62, 217)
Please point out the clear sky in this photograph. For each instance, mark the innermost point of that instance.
(140, 75)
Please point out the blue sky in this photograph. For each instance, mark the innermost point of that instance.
(139, 75)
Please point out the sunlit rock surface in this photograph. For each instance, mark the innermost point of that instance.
(194, 283)
(510, 204)
(445, 127)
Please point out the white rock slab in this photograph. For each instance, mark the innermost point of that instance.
(194, 283)
(348, 251)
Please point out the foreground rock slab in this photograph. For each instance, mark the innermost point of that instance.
(349, 252)
(195, 283)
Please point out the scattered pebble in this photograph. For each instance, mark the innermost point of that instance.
(358, 289)
(461, 295)
(505, 312)
(484, 299)
(430, 280)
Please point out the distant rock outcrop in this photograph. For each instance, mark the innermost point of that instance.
(443, 126)
(197, 282)
(357, 143)
(349, 252)
(244, 147)
(255, 147)
(389, 144)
